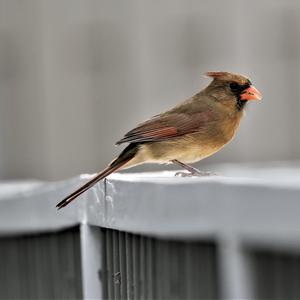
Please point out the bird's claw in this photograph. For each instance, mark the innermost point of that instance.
(183, 174)
(195, 174)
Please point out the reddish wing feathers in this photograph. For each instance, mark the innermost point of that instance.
(169, 126)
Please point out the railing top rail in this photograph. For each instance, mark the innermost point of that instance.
(261, 206)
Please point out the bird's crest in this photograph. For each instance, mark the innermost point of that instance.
(227, 76)
(217, 74)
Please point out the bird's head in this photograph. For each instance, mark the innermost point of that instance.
(232, 89)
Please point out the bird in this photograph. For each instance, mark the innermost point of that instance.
(189, 132)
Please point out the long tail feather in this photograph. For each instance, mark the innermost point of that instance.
(128, 153)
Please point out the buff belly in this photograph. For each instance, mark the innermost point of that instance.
(187, 150)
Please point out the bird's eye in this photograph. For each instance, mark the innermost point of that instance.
(234, 86)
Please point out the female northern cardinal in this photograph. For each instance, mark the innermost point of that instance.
(189, 132)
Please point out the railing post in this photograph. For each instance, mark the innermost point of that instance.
(234, 273)
(90, 240)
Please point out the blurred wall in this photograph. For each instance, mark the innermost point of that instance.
(75, 75)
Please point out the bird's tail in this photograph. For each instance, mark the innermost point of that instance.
(126, 155)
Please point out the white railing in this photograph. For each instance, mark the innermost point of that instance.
(244, 207)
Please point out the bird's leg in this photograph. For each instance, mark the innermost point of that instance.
(192, 171)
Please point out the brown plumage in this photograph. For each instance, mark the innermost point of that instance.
(189, 132)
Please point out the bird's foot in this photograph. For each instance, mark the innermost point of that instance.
(195, 173)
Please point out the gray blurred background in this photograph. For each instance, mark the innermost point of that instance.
(75, 75)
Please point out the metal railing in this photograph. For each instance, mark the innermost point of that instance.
(154, 236)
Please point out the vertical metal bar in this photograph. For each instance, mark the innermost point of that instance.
(295, 274)
(150, 269)
(235, 279)
(129, 265)
(57, 265)
(215, 276)
(279, 263)
(142, 257)
(109, 252)
(202, 282)
(176, 282)
(182, 271)
(122, 253)
(67, 263)
(90, 241)
(188, 274)
(3, 278)
(48, 280)
(116, 265)
(158, 266)
(78, 277)
(165, 269)
(199, 280)
(104, 268)
(25, 267)
(136, 266)
(14, 267)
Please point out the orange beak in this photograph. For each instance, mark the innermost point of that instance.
(251, 93)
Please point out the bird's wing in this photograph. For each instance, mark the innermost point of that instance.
(167, 126)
